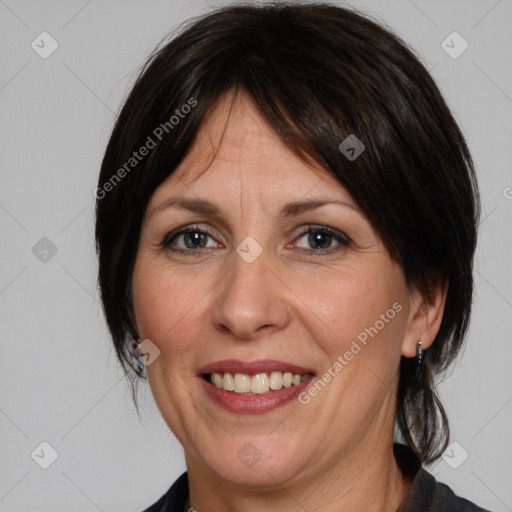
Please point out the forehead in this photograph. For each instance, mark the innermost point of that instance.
(236, 149)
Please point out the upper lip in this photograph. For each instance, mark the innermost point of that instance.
(252, 367)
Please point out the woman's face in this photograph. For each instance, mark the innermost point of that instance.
(332, 302)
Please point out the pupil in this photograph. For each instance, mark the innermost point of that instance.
(196, 239)
(322, 239)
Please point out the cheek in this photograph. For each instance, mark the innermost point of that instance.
(166, 301)
(344, 307)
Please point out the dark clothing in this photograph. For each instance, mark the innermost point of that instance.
(425, 494)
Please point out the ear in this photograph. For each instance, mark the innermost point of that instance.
(424, 317)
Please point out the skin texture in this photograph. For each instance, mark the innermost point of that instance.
(299, 301)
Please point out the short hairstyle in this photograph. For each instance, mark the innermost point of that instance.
(317, 73)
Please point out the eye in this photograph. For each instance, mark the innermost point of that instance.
(322, 239)
(313, 239)
(188, 240)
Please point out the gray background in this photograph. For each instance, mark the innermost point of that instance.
(60, 382)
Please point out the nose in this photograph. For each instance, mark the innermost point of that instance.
(252, 301)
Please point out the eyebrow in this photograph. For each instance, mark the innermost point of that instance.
(204, 206)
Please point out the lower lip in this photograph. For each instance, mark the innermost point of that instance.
(253, 404)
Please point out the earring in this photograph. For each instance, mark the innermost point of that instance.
(137, 353)
(419, 351)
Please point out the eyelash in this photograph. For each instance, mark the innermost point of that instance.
(343, 240)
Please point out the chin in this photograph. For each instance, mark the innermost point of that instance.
(256, 462)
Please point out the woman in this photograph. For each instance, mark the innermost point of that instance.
(286, 223)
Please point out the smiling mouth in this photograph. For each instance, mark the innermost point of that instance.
(257, 384)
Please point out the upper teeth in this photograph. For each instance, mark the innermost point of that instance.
(257, 384)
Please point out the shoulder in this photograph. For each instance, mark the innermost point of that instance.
(425, 493)
(174, 498)
(446, 500)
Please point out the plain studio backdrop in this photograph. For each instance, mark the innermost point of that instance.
(66, 67)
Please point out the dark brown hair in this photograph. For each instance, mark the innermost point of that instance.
(317, 73)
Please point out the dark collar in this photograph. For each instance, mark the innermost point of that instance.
(425, 494)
